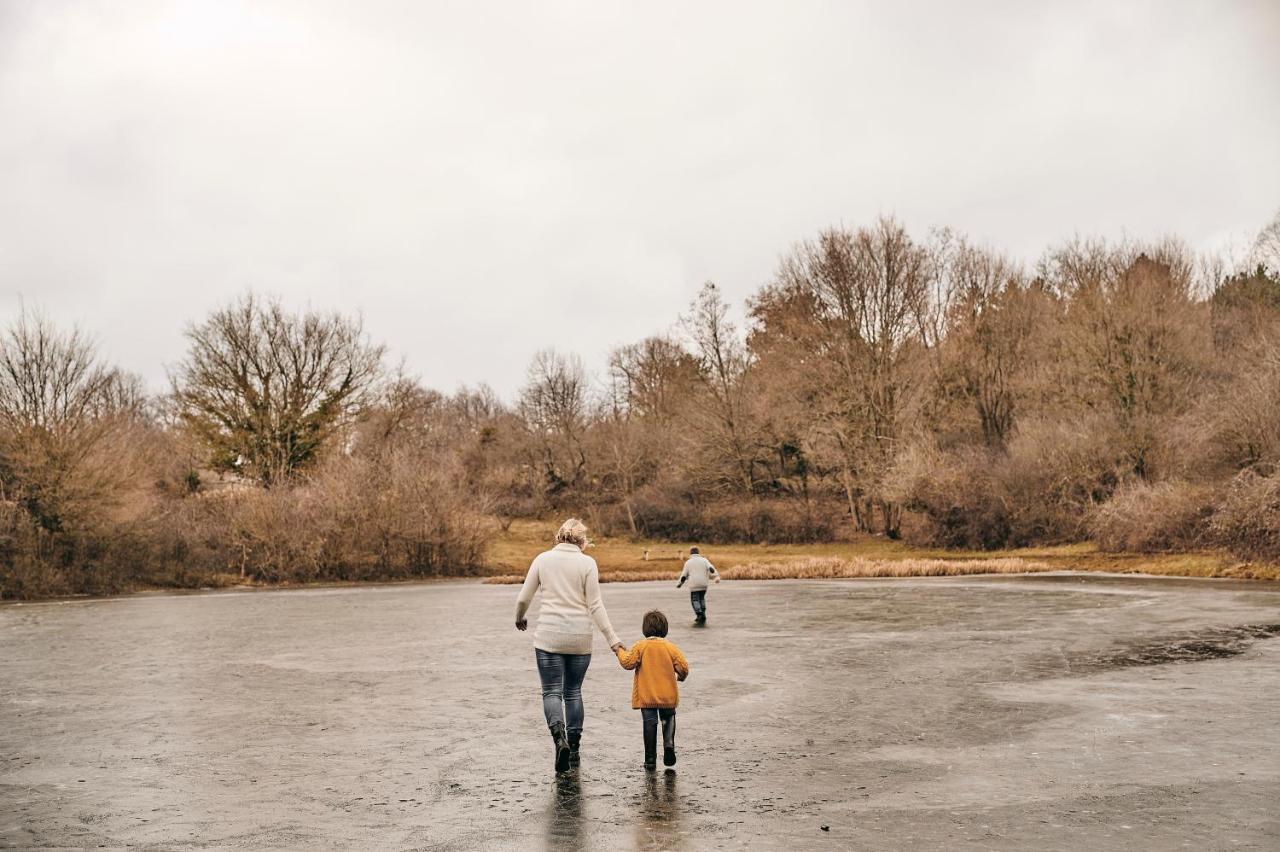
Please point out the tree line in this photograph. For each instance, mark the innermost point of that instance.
(916, 386)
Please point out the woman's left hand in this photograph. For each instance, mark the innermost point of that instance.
(521, 623)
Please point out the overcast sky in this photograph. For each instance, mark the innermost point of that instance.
(482, 180)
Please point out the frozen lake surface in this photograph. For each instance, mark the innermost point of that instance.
(1048, 712)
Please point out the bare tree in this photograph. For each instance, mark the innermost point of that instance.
(628, 448)
(1245, 416)
(555, 407)
(49, 380)
(1134, 340)
(870, 295)
(654, 377)
(266, 390)
(990, 323)
(1242, 413)
(1244, 308)
(650, 384)
(1266, 248)
(723, 361)
(59, 408)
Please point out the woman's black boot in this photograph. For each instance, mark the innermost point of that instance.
(575, 740)
(562, 747)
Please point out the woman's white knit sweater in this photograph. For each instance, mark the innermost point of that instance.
(571, 602)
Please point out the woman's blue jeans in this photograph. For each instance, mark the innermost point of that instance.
(562, 676)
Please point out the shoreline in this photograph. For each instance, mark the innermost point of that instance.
(628, 560)
(1263, 583)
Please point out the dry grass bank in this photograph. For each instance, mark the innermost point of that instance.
(833, 568)
(624, 560)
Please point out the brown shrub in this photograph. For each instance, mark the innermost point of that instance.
(955, 494)
(1243, 418)
(1150, 518)
(37, 563)
(399, 515)
(356, 519)
(666, 516)
(1247, 520)
(78, 523)
(1039, 490)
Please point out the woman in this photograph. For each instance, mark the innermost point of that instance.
(571, 603)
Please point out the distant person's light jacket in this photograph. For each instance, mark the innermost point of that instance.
(698, 571)
(571, 602)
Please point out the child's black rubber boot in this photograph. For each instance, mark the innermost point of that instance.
(651, 745)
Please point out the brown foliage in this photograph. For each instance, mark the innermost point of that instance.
(1247, 520)
(663, 515)
(354, 519)
(1040, 490)
(882, 384)
(555, 407)
(67, 425)
(1134, 340)
(1144, 518)
(994, 319)
(266, 390)
(846, 322)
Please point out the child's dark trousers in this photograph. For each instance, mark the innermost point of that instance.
(651, 716)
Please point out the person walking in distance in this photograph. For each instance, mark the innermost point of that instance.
(699, 573)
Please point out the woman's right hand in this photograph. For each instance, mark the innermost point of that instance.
(616, 647)
(521, 623)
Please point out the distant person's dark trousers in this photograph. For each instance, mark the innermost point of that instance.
(699, 601)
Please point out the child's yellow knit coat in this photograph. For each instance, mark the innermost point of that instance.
(658, 663)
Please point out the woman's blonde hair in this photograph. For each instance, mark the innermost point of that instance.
(573, 531)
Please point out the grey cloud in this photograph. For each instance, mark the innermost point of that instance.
(484, 180)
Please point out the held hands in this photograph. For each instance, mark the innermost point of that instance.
(616, 647)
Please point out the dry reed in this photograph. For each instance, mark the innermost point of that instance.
(830, 568)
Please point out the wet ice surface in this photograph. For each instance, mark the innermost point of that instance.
(1009, 713)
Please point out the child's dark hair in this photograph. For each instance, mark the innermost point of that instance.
(655, 624)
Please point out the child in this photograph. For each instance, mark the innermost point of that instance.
(698, 571)
(658, 665)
